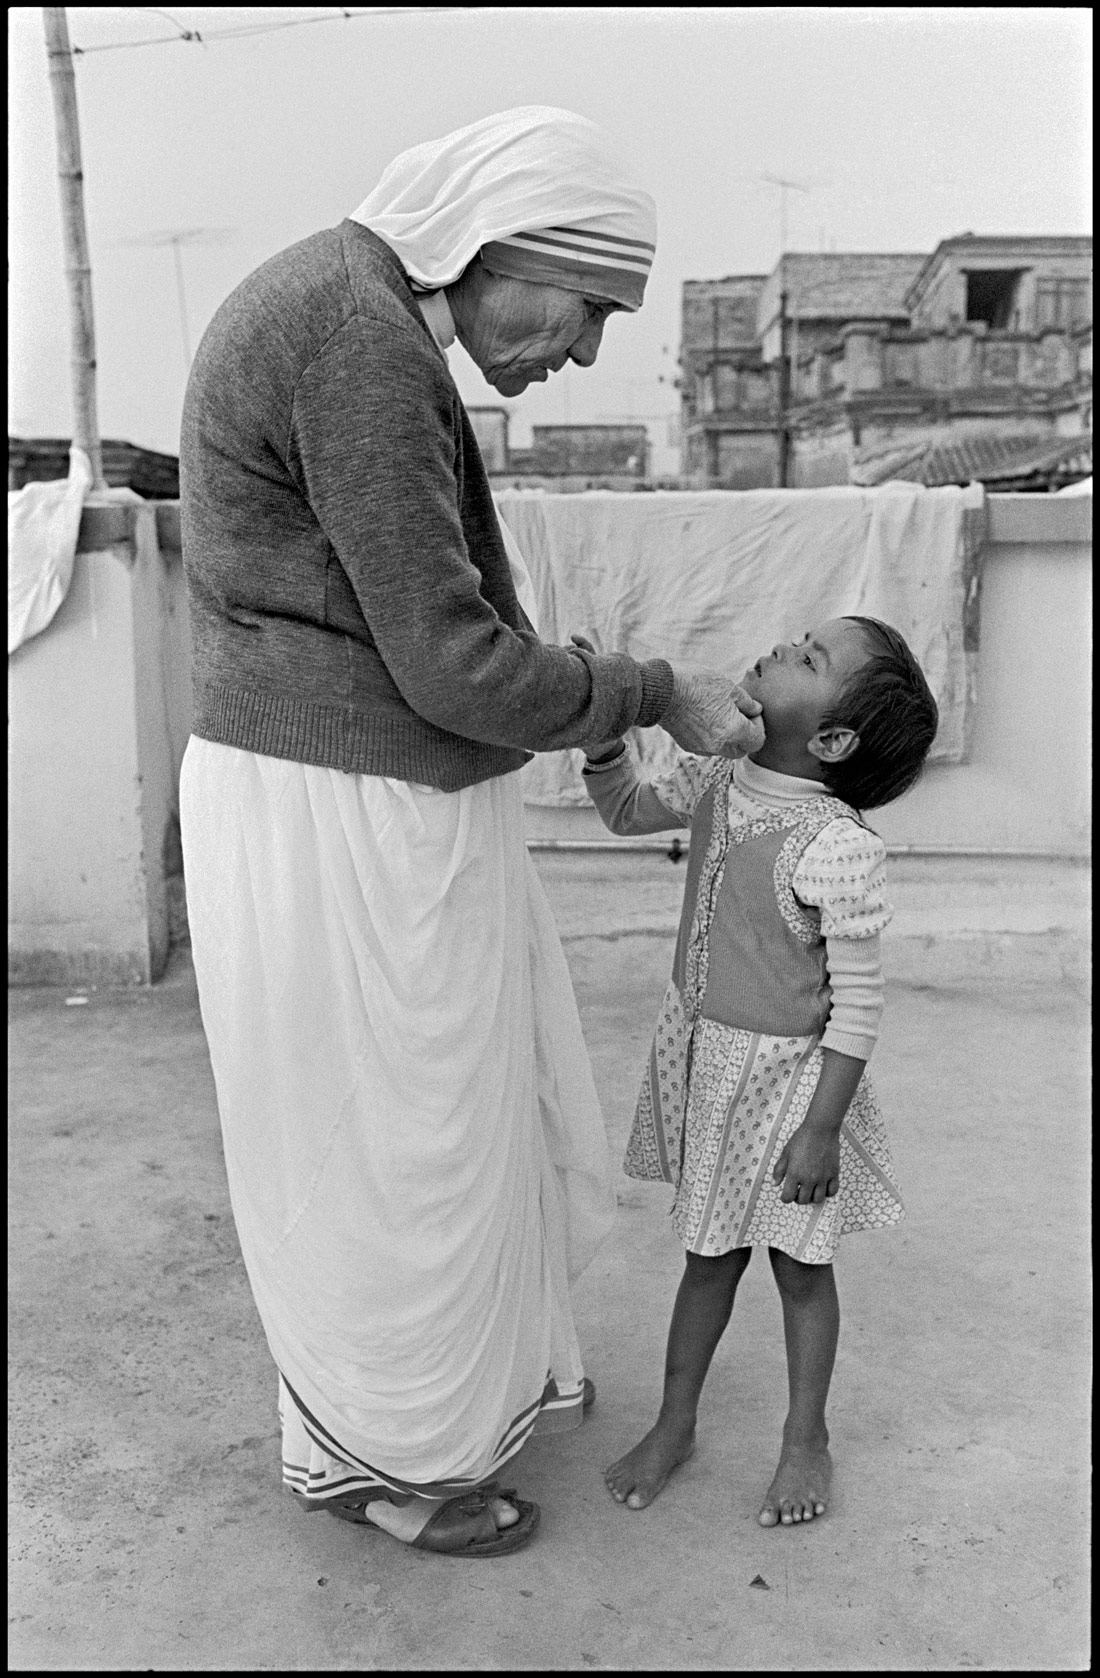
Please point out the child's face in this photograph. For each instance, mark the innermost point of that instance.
(798, 682)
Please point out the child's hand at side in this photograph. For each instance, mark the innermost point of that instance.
(809, 1166)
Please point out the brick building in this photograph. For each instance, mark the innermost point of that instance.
(563, 458)
(491, 430)
(973, 360)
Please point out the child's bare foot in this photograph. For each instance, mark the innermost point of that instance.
(637, 1478)
(800, 1489)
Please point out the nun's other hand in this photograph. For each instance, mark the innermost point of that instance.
(714, 717)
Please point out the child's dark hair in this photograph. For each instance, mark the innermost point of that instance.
(890, 706)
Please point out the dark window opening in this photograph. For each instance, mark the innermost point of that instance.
(991, 296)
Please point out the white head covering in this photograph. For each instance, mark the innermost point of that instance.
(541, 192)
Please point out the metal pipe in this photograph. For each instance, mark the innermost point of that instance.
(784, 437)
(676, 848)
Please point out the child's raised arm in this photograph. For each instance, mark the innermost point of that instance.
(627, 803)
(631, 805)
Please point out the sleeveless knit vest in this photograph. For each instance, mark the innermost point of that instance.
(748, 954)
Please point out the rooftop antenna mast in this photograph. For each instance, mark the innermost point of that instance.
(783, 434)
(175, 237)
(785, 186)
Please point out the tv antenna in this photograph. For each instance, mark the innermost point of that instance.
(786, 186)
(175, 237)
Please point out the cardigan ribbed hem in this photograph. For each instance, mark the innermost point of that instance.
(334, 737)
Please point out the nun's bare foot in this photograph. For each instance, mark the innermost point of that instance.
(800, 1490)
(637, 1478)
(407, 1521)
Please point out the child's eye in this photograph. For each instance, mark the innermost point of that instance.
(808, 660)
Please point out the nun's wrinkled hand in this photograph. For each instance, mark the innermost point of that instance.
(713, 716)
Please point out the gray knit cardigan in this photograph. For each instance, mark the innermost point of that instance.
(351, 601)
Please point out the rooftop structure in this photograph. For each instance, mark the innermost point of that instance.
(860, 358)
(125, 466)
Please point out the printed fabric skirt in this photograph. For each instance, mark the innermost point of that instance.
(716, 1109)
(416, 1157)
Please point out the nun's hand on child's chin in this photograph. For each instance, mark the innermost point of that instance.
(713, 716)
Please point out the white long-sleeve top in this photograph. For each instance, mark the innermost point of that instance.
(841, 872)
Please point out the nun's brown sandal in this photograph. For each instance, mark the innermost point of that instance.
(463, 1526)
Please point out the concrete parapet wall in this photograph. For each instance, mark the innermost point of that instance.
(1025, 786)
(100, 707)
(99, 712)
(1026, 783)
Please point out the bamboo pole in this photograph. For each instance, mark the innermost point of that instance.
(78, 268)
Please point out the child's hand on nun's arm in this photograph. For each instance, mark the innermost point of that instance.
(809, 1166)
(599, 748)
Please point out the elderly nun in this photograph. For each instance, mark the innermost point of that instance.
(415, 1154)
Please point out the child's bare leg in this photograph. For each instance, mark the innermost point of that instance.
(811, 1323)
(702, 1310)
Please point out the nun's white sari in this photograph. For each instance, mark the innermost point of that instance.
(416, 1157)
(415, 1152)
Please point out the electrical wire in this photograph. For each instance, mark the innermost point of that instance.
(342, 16)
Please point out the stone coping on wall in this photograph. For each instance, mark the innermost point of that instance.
(1013, 520)
(110, 524)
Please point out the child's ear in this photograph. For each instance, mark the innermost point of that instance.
(833, 745)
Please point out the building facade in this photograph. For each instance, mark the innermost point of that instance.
(983, 347)
(563, 458)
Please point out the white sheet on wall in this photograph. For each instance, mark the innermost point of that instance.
(714, 579)
(43, 527)
(43, 533)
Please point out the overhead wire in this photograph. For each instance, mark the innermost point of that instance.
(342, 16)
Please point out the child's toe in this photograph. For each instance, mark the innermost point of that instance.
(618, 1483)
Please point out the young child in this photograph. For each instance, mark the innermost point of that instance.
(754, 1104)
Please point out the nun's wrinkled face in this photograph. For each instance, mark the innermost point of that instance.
(519, 332)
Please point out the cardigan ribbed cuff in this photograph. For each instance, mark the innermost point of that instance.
(657, 683)
(856, 1045)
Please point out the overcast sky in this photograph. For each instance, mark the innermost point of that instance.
(906, 124)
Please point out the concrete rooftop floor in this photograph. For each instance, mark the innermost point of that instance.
(148, 1528)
